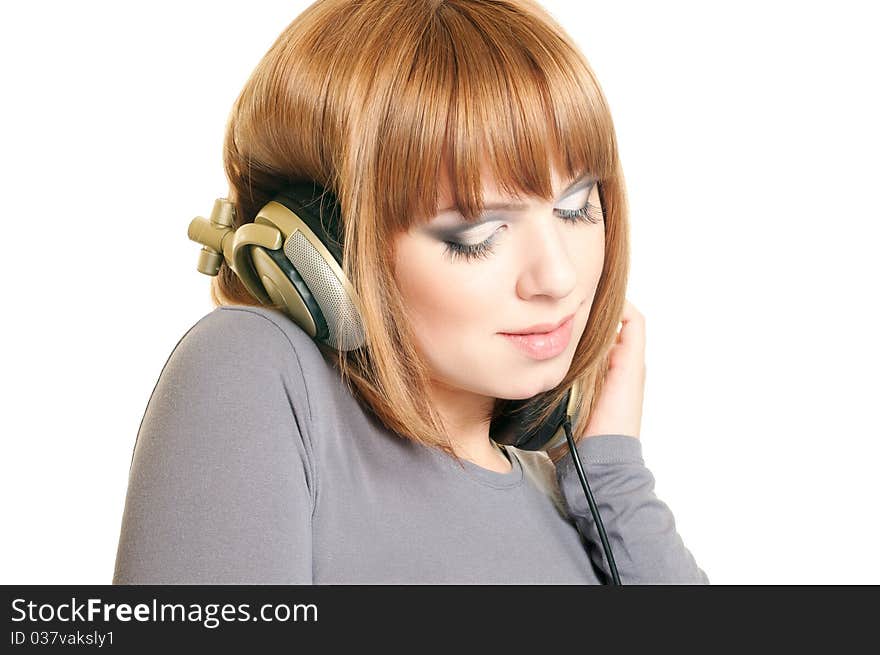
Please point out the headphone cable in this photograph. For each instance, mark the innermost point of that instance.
(593, 509)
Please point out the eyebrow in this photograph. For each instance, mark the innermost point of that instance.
(580, 182)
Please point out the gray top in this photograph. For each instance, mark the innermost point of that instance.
(254, 464)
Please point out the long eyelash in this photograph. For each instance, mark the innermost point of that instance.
(589, 213)
(477, 251)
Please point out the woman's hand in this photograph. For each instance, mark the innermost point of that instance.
(619, 408)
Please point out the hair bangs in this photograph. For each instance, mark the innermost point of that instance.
(514, 95)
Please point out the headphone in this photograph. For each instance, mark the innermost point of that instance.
(290, 258)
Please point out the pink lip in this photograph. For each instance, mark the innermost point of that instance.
(541, 328)
(543, 345)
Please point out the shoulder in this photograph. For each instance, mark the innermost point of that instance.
(248, 347)
(246, 324)
(257, 335)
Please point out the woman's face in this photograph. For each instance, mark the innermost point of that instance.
(540, 268)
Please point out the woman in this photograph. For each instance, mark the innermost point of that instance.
(267, 456)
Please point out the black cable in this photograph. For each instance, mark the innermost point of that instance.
(595, 510)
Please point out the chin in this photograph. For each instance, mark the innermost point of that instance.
(525, 391)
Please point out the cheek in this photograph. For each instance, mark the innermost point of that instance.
(440, 295)
(440, 302)
(594, 259)
(587, 252)
(590, 266)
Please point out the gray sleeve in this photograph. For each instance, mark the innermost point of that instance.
(220, 486)
(639, 526)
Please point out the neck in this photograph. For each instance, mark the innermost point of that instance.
(467, 417)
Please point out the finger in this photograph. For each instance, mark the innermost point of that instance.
(632, 331)
(627, 313)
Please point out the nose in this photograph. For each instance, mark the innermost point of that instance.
(548, 264)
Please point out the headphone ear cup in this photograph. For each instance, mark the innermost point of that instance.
(510, 428)
(304, 277)
(289, 292)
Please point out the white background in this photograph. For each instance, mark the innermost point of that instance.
(748, 133)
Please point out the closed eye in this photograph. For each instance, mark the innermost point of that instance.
(587, 213)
